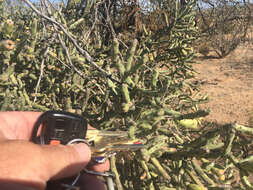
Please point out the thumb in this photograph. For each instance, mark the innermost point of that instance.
(65, 161)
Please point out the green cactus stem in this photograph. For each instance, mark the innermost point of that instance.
(243, 129)
(115, 171)
(201, 173)
(161, 170)
(116, 58)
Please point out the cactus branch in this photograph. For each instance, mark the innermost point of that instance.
(80, 50)
(201, 173)
(114, 170)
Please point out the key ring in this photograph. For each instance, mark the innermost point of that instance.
(72, 186)
(74, 141)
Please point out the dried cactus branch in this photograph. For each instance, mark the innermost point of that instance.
(41, 74)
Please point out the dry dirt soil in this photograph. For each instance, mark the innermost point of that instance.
(229, 84)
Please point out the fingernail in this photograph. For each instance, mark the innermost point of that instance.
(83, 151)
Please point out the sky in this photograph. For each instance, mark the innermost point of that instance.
(144, 0)
(203, 5)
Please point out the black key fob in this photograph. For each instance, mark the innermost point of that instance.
(59, 127)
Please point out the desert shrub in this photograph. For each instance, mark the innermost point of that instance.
(224, 23)
(204, 49)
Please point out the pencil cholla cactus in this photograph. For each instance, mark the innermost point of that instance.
(122, 67)
(126, 67)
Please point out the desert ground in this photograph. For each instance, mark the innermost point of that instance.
(229, 84)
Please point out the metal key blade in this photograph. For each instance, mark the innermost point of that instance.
(125, 147)
(105, 138)
(111, 133)
(103, 151)
(104, 142)
(96, 135)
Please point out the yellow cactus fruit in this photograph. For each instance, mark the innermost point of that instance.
(125, 107)
(8, 27)
(184, 52)
(7, 45)
(9, 22)
(151, 57)
(220, 172)
(4, 77)
(222, 177)
(52, 54)
(188, 123)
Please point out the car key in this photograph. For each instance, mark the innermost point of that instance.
(59, 127)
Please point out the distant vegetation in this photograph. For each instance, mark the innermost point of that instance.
(223, 25)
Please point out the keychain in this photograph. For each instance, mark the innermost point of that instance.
(59, 127)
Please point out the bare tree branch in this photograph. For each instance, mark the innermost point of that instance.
(41, 74)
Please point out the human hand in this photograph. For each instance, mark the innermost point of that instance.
(27, 166)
